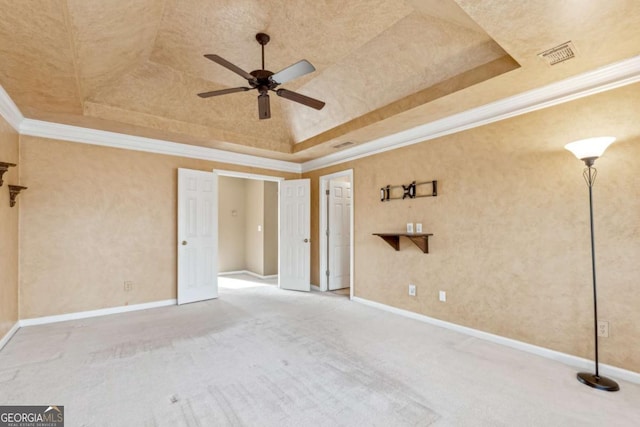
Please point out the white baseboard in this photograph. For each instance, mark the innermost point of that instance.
(250, 273)
(9, 334)
(95, 313)
(231, 273)
(567, 359)
(259, 276)
(316, 288)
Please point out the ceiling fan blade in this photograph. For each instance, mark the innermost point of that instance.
(294, 71)
(228, 65)
(264, 108)
(223, 91)
(302, 99)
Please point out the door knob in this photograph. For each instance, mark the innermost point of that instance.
(306, 240)
(184, 243)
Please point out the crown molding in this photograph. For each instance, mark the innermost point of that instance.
(9, 110)
(595, 81)
(128, 142)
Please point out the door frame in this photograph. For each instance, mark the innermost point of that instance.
(324, 186)
(245, 175)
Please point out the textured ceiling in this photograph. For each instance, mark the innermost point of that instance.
(135, 66)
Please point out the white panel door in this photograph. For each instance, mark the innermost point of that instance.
(295, 252)
(197, 236)
(339, 234)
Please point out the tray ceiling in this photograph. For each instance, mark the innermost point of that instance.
(135, 66)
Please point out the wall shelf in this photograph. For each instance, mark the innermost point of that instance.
(421, 240)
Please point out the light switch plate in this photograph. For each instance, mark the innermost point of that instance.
(409, 227)
(419, 227)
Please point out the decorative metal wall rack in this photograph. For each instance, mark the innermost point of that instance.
(410, 191)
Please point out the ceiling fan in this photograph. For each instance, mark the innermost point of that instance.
(264, 81)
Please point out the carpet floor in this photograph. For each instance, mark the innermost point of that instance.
(260, 356)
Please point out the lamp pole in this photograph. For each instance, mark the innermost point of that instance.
(590, 174)
(588, 151)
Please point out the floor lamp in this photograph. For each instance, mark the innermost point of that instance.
(588, 150)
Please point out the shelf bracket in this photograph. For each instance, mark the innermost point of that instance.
(14, 190)
(393, 241)
(3, 168)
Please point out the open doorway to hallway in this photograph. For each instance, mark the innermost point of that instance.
(248, 227)
(336, 233)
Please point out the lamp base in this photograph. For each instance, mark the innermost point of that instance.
(599, 382)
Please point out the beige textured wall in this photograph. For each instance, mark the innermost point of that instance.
(231, 227)
(511, 228)
(94, 217)
(270, 228)
(9, 230)
(254, 239)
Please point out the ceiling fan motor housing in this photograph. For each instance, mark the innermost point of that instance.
(262, 82)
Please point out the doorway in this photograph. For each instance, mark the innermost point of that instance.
(247, 224)
(336, 232)
(292, 228)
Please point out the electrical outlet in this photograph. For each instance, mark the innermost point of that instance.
(419, 227)
(128, 286)
(603, 328)
(442, 295)
(412, 290)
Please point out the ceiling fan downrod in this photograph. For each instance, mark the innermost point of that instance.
(263, 39)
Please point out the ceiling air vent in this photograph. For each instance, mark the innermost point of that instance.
(559, 54)
(343, 144)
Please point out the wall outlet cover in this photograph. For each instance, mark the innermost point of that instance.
(412, 290)
(442, 295)
(419, 227)
(603, 328)
(409, 227)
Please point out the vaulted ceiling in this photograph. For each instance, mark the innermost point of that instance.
(135, 66)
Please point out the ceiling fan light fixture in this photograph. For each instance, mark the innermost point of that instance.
(264, 80)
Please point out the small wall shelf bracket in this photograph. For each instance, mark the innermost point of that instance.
(14, 190)
(3, 168)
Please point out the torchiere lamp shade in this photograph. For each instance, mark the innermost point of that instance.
(590, 148)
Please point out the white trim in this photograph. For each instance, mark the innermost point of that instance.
(589, 83)
(316, 288)
(231, 273)
(7, 337)
(250, 273)
(259, 276)
(567, 359)
(244, 175)
(95, 313)
(10, 111)
(595, 81)
(322, 237)
(128, 142)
